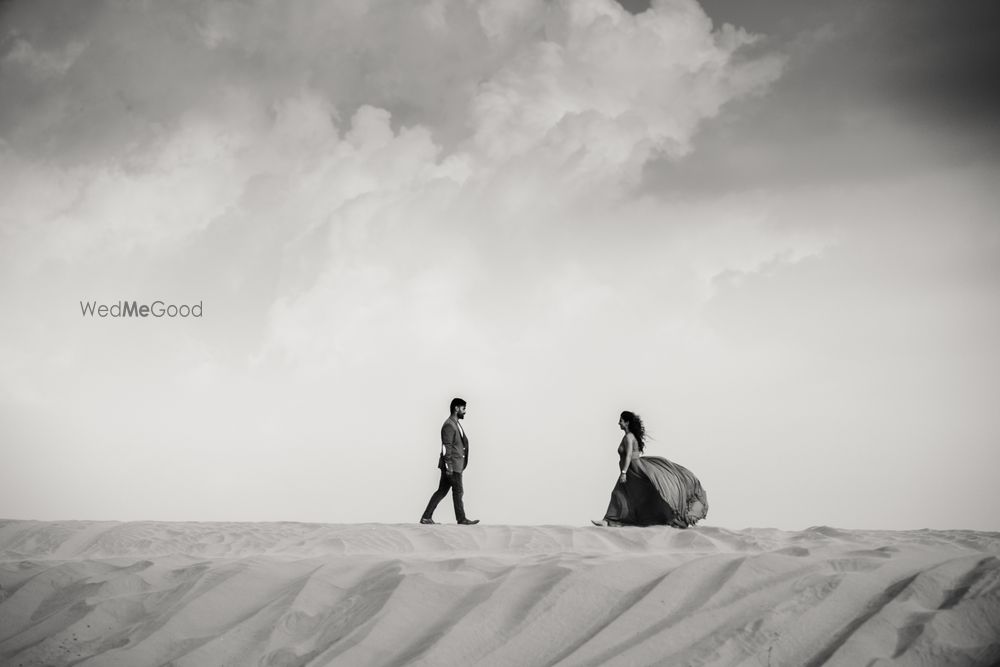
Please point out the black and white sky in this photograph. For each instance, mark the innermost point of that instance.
(770, 228)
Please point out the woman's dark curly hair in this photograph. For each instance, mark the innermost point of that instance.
(634, 425)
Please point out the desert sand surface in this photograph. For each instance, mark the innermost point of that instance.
(155, 593)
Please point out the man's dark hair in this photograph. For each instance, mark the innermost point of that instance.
(455, 403)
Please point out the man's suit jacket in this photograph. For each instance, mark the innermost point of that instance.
(454, 447)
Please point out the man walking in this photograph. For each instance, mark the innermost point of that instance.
(453, 461)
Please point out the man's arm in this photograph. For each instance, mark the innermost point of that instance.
(451, 452)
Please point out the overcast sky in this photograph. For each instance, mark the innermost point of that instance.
(769, 228)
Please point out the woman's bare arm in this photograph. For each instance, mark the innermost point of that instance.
(629, 439)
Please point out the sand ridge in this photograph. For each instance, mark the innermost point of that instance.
(155, 593)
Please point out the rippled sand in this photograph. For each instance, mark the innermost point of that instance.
(150, 593)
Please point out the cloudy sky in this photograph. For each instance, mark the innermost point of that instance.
(769, 228)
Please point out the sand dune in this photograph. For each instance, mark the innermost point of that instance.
(283, 594)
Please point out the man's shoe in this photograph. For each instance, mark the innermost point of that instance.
(602, 522)
(426, 521)
(468, 522)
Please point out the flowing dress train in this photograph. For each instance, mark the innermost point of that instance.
(657, 492)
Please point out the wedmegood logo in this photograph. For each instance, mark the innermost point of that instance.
(134, 309)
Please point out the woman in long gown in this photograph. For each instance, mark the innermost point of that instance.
(651, 490)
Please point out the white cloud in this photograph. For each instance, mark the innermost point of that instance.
(41, 63)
